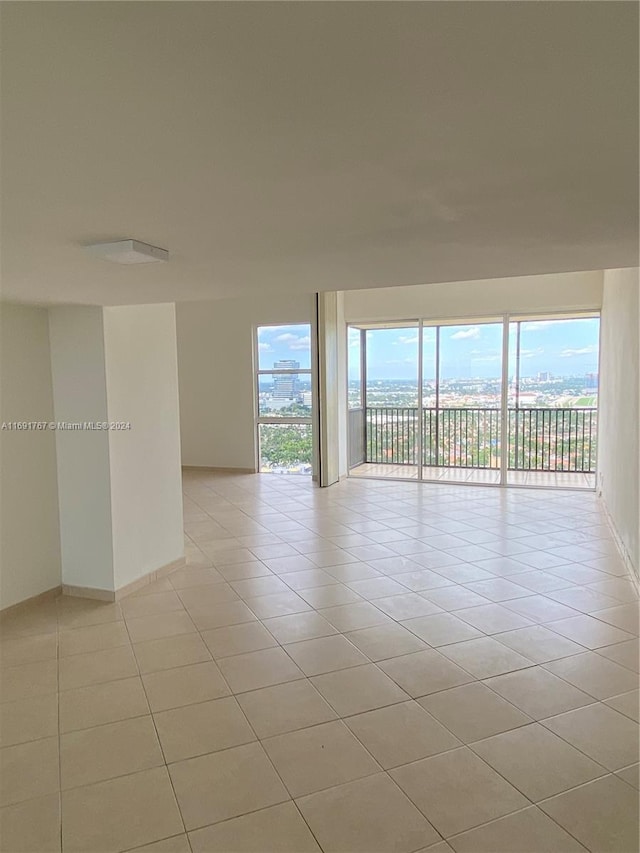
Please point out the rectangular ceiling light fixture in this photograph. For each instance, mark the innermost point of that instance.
(128, 252)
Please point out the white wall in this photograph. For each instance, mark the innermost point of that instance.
(215, 369)
(564, 291)
(84, 488)
(120, 491)
(30, 542)
(146, 481)
(619, 408)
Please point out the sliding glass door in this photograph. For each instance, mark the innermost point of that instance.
(489, 401)
(391, 400)
(463, 430)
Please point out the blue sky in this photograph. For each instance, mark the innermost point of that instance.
(561, 347)
(276, 343)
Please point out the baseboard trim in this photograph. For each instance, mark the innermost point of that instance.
(620, 545)
(215, 469)
(123, 591)
(88, 592)
(162, 572)
(48, 594)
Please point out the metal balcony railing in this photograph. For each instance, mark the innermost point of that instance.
(554, 440)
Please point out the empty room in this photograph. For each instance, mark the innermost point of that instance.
(319, 427)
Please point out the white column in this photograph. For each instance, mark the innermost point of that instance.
(146, 482)
(343, 366)
(119, 490)
(329, 308)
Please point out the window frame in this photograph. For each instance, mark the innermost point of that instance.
(437, 322)
(259, 419)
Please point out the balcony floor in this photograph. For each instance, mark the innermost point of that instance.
(541, 479)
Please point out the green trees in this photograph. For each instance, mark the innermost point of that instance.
(285, 445)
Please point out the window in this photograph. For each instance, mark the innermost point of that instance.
(284, 399)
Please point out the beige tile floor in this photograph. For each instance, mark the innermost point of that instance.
(373, 667)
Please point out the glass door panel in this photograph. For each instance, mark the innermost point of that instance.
(355, 397)
(391, 395)
(553, 401)
(430, 425)
(468, 417)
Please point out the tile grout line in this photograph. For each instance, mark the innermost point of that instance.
(258, 741)
(158, 740)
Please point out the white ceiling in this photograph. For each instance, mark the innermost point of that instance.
(315, 146)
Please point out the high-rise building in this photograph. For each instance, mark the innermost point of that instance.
(285, 385)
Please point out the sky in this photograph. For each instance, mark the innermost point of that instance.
(559, 347)
(276, 343)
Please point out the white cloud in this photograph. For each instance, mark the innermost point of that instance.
(263, 347)
(294, 342)
(407, 339)
(464, 334)
(531, 353)
(270, 332)
(570, 353)
(301, 343)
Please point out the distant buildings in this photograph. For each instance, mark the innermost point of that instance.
(285, 385)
